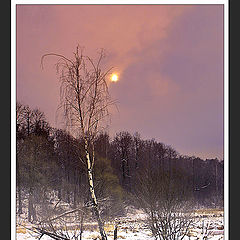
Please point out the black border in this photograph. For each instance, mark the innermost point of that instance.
(5, 105)
(234, 119)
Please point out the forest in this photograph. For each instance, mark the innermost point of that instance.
(128, 170)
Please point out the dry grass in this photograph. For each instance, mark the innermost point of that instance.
(109, 227)
(121, 237)
(210, 211)
(193, 233)
(21, 230)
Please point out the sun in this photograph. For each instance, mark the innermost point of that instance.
(114, 77)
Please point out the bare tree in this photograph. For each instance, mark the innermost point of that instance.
(60, 227)
(19, 135)
(165, 203)
(84, 100)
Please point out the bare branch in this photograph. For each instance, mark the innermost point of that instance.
(57, 55)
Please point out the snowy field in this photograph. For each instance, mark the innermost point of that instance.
(207, 223)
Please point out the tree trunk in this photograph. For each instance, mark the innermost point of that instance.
(93, 196)
(59, 191)
(115, 233)
(216, 180)
(75, 189)
(123, 172)
(193, 180)
(19, 200)
(19, 192)
(29, 206)
(81, 226)
(31, 210)
(75, 196)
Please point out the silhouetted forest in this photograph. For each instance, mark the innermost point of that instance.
(50, 166)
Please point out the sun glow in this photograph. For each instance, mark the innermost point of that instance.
(114, 77)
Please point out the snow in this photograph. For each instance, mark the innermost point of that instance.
(133, 227)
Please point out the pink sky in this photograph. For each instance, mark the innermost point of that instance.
(170, 60)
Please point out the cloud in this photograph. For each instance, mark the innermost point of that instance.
(125, 31)
(169, 58)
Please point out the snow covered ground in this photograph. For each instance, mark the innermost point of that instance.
(133, 227)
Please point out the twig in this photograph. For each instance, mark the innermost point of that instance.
(52, 235)
(63, 214)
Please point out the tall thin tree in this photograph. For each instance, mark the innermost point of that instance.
(85, 101)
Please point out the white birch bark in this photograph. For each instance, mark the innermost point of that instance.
(92, 193)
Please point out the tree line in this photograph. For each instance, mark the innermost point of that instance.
(126, 167)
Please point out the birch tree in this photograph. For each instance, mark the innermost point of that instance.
(85, 101)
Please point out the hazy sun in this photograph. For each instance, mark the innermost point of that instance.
(114, 77)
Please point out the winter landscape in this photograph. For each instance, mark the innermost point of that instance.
(206, 226)
(167, 196)
(119, 122)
